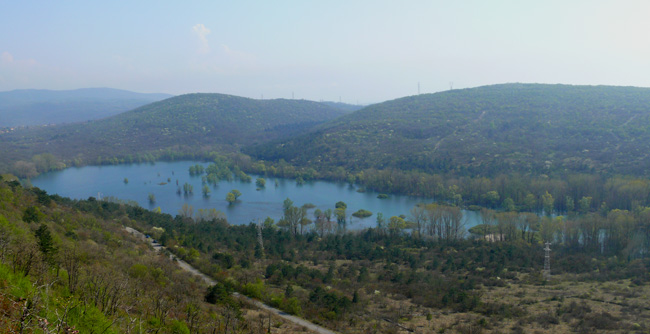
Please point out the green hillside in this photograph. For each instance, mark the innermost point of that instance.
(187, 123)
(486, 131)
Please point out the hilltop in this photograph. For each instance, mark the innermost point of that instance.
(530, 128)
(29, 107)
(186, 123)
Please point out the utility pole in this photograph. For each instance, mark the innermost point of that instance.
(418, 88)
(547, 261)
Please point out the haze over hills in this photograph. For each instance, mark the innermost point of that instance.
(29, 107)
(184, 123)
(344, 106)
(486, 130)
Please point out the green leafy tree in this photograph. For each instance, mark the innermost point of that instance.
(584, 204)
(396, 225)
(381, 222)
(236, 193)
(508, 204)
(530, 202)
(230, 198)
(547, 203)
(492, 198)
(260, 182)
(206, 191)
(188, 188)
(341, 218)
(570, 204)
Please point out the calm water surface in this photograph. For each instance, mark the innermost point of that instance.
(103, 181)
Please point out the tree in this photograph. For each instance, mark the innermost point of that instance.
(293, 216)
(186, 211)
(570, 204)
(152, 198)
(381, 222)
(188, 188)
(492, 198)
(547, 203)
(45, 243)
(304, 221)
(260, 182)
(396, 225)
(418, 217)
(508, 204)
(206, 191)
(488, 218)
(32, 214)
(341, 218)
(319, 222)
(341, 205)
(584, 204)
(230, 198)
(236, 193)
(530, 202)
(287, 204)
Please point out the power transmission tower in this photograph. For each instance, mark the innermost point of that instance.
(547, 261)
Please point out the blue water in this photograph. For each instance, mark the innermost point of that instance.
(253, 205)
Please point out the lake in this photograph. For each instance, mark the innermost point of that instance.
(161, 179)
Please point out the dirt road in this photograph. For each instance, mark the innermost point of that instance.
(187, 267)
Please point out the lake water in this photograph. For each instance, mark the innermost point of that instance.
(103, 181)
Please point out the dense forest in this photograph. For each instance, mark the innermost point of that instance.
(189, 123)
(486, 131)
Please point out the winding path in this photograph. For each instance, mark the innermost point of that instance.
(187, 267)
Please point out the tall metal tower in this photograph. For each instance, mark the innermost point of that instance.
(547, 261)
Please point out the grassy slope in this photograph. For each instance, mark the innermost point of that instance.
(486, 130)
(97, 278)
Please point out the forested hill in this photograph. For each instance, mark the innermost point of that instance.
(485, 131)
(188, 123)
(27, 107)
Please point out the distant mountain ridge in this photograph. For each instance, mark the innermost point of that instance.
(27, 107)
(185, 123)
(485, 131)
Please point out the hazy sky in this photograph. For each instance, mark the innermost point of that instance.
(358, 51)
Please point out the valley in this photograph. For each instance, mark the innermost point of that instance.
(267, 198)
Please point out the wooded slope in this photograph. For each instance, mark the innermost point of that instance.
(190, 122)
(485, 131)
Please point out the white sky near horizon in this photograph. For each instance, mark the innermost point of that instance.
(355, 51)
